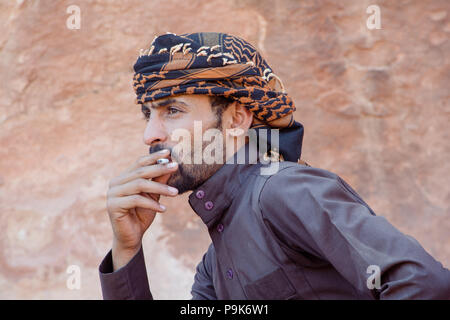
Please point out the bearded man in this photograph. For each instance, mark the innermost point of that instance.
(297, 233)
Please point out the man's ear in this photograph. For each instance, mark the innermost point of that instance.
(239, 117)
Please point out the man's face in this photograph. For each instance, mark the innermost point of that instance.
(164, 117)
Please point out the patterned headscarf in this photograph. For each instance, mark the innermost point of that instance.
(218, 64)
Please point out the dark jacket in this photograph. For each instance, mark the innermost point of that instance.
(301, 233)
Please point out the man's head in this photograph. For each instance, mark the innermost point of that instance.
(168, 116)
(179, 80)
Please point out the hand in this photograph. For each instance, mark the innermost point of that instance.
(133, 200)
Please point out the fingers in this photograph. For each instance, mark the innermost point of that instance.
(126, 203)
(149, 159)
(145, 167)
(146, 172)
(141, 185)
(129, 190)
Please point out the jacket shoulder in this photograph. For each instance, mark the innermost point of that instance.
(294, 179)
(288, 168)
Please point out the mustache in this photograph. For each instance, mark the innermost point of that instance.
(157, 148)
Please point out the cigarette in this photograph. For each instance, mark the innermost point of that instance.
(162, 161)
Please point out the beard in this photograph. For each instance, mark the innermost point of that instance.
(189, 176)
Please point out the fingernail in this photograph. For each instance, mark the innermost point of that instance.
(163, 151)
(172, 165)
(162, 207)
(173, 190)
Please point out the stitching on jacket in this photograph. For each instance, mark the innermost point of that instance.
(346, 188)
(277, 240)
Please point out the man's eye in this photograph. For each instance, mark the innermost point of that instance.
(172, 110)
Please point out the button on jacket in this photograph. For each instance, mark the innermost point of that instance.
(300, 233)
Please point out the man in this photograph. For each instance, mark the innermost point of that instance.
(296, 233)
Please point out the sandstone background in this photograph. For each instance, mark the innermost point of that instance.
(374, 103)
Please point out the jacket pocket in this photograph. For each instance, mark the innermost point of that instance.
(273, 286)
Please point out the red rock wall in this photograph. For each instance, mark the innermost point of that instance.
(374, 103)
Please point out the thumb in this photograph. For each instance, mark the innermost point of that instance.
(163, 179)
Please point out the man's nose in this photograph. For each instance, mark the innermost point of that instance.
(154, 132)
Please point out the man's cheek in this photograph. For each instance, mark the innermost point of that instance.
(182, 148)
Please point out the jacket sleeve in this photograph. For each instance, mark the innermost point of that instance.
(203, 287)
(130, 282)
(314, 210)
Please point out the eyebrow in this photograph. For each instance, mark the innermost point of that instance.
(164, 103)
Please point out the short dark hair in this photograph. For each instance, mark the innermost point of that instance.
(219, 104)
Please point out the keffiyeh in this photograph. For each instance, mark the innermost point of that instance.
(218, 64)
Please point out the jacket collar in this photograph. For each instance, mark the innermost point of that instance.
(216, 194)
